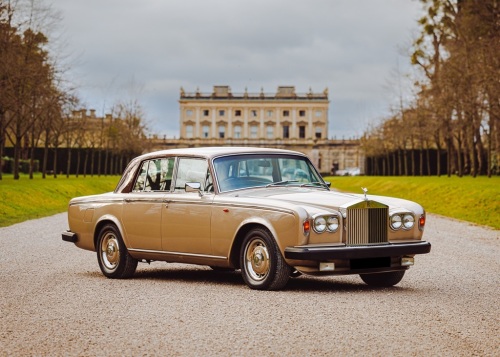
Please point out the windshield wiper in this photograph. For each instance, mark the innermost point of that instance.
(279, 183)
(314, 184)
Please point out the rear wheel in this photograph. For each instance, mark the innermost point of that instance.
(262, 265)
(383, 279)
(114, 259)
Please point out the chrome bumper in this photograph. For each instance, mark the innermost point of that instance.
(356, 252)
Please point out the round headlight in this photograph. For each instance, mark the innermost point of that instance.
(319, 224)
(332, 223)
(408, 221)
(396, 222)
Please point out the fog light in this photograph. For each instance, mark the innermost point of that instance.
(326, 266)
(407, 261)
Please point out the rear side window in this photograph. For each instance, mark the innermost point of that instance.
(155, 175)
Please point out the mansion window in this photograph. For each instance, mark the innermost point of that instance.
(318, 113)
(253, 113)
(270, 113)
(222, 113)
(237, 113)
(189, 131)
(237, 131)
(206, 130)
(270, 132)
(189, 113)
(302, 113)
(302, 132)
(318, 132)
(286, 113)
(253, 131)
(222, 131)
(206, 112)
(286, 131)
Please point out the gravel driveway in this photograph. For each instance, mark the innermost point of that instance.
(55, 302)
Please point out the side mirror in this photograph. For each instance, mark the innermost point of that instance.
(193, 187)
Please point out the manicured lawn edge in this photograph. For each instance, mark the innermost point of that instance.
(25, 199)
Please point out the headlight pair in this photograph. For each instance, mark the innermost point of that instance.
(402, 220)
(323, 223)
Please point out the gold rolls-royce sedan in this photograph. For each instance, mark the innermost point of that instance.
(267, 212)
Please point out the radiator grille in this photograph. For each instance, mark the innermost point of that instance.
(367, 225)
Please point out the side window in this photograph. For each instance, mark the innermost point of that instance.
(167, 170)
(192, 170)
(141, 178)
(155, 175)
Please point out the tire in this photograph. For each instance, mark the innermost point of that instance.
(114, 259)
(262, 265)
(383, 279)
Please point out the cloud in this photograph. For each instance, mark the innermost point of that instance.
(349, 46)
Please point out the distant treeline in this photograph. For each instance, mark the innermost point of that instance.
(455, 106)
(40, 111)
(69, 162)
(429, 162)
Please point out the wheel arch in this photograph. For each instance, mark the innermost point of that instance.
(107, 219)
(241, 234)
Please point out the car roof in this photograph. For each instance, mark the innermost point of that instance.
(214, 151)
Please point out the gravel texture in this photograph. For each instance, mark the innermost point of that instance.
(55, 302)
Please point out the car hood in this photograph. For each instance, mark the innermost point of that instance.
(321, 198)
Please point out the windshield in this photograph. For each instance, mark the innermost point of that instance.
(245, 171)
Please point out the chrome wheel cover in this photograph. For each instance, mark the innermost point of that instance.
(257, 261)
(110, 251)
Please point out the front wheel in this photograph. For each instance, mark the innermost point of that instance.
(383, 279)
(114, 259)
(262, 265)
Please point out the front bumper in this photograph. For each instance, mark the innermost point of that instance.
(69, 236)
(325, 253)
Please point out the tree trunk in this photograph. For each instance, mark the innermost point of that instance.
(68, 163)
(17, 157)
(421, 163)
(85, 162)
(429, 161)
(92, 162)
(78, 160)
(106, 159)
(55, 161)
(45, 154)
(32, 156)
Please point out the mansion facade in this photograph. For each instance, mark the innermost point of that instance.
(284, 119)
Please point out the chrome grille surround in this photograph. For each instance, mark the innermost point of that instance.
(367, 223)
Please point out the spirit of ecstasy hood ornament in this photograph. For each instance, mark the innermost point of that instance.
(365, 190)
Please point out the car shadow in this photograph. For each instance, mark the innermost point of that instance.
(303, 283)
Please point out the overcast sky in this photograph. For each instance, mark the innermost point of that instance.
(352, 47)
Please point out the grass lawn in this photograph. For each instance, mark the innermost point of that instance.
(476, 200)
(25, 199)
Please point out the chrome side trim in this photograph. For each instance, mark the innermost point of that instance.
(177, 253)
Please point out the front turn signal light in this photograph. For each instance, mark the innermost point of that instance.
(421, 222)
(306, 226)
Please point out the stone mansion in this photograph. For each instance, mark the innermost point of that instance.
(284, 119)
